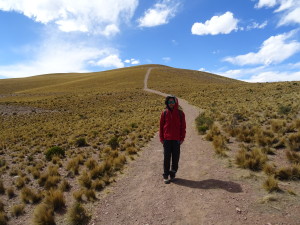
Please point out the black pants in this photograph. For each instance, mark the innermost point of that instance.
(171, 151)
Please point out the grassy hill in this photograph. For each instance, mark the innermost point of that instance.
(64, 137)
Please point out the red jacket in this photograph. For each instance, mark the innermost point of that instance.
(172, 124)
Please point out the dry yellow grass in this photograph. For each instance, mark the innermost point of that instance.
(101, 120)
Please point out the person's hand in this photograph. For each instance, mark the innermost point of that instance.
(162, 142)
(181, 142)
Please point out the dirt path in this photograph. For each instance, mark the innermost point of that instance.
(205, 191)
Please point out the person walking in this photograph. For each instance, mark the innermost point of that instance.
(171, 134)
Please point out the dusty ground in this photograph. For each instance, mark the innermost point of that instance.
(207, 189)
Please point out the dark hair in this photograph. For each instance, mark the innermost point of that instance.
(168, 98)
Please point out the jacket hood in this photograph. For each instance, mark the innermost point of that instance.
(176, 102)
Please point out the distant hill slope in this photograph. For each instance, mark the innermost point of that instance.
(82, 81)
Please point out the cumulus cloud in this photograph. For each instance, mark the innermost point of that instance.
(159, 14)
(57, 56)
(289, 9)
(273, 50)
(223, 24)
(98, 16)
(132, 61)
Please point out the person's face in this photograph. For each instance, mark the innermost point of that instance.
(171, 103)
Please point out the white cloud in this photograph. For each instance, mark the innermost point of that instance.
(132, 61)
(159, 14)
(223, 24)
(293, 16)
(274, 76)
(287, 72)
(110, 61)
(57, 56)
(273, 50)
(289, 9)
(201, 69)
(256, 25)
(266, 3)
(110, 30)
(166, 59)
(93, 17)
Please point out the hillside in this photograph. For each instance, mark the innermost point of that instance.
(98, 122)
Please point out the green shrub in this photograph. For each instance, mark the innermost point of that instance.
(284, 110)
(113, 142)
(81, 142)
(58, 151)
(203, 123)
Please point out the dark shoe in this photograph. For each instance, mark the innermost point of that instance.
(167, 181)
(172, 175)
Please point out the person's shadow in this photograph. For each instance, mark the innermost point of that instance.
(209, 184)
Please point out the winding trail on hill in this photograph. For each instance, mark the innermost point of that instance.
(205, 191)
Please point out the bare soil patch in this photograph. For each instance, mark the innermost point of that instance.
(8, 110)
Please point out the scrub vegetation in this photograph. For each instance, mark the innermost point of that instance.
(256, 125)
(64, 137)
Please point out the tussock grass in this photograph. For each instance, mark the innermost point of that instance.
(43, 215)
(65, 186)
(29, 196)
(90, 194)
(219, 143)
(19, 182)
(269, 169)
(293, 142)
(3, 218)
(2, 188)
(289, 173)
(293, 157)
(55, 199)
(85, 180)
(271, 184)
(90, 163)
(254, 160)
(10, 192)
(17, 210)
(1, 206)
(77, 215)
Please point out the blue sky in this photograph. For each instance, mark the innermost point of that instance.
(250, 40)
